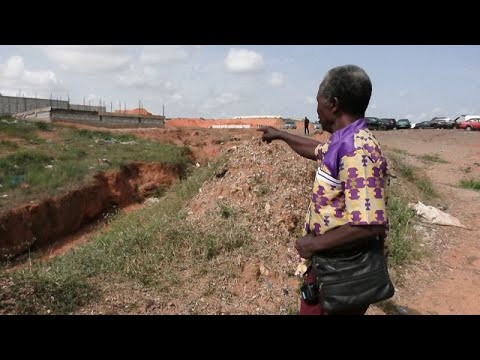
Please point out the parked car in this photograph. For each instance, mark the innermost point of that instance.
(390, 123)
(423, 125)
(463, 118)
(374, 123)
(441, 122)
(403, 124)
(470, 124)
(290, 124)
(317, 126)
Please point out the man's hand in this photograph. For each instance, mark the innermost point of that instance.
(307, 245)
(269, 133)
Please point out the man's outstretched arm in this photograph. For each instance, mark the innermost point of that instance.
(302, 146)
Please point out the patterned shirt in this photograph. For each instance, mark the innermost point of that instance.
(350, 183)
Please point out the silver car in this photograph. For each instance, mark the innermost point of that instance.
(290, 125)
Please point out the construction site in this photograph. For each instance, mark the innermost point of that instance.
(48, 110)
(209, 203)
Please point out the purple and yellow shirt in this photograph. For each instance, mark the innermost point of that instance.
(350, 182)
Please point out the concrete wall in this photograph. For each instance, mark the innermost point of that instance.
(93, 118)
(10, 105)
(108, 120)
(42, 114)
(231, 126)
(75, 116)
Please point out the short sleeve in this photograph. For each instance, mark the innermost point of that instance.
(320, 151)
(363, 183)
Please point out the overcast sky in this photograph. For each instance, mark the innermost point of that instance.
(415, 82)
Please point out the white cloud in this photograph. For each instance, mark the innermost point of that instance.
(13, 68)
(92, 99)
(438, 111)
(243, 60)
(466, 111)
(89, 58)
(162, 54)
(276, 79)
(176, 97)
(221, 100)
(15, 78)
(143, 77)
(310, 100)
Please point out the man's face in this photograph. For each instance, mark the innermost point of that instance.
(325, 113)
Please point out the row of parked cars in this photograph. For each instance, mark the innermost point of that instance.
(467, 122)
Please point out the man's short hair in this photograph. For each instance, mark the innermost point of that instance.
(352, 87)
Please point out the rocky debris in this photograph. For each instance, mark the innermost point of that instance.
(266, 188)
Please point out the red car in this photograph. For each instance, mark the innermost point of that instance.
(471, 124)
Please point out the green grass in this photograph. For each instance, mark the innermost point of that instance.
(433, 158)
(413, 175)
(470, 184)
(74, 155)
(401, 234)
(15, 168)
(8, 145)
(43, 126)
(148, 246)
(20, 129)
(400, 151)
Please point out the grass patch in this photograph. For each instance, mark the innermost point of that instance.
(102, 135)
(401, 152)
(8, 145)
(148, 246)
(413, 175)
(470, 184)
(426, 187)
(43, 126)
(401, 234)
(433, 158)
(19, 129)
(75, 155)
(226, 211)
(16, 167)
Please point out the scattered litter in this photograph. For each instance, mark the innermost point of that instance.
(436, 216)
(151, 200)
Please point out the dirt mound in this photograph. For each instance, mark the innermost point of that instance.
(137, 111)
(41, 223)
(266, 188)
(208, 123)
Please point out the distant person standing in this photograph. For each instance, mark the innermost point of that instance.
(307, 131)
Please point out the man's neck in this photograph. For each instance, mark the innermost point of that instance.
(344, 120)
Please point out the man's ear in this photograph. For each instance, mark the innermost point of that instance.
(334, 105)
